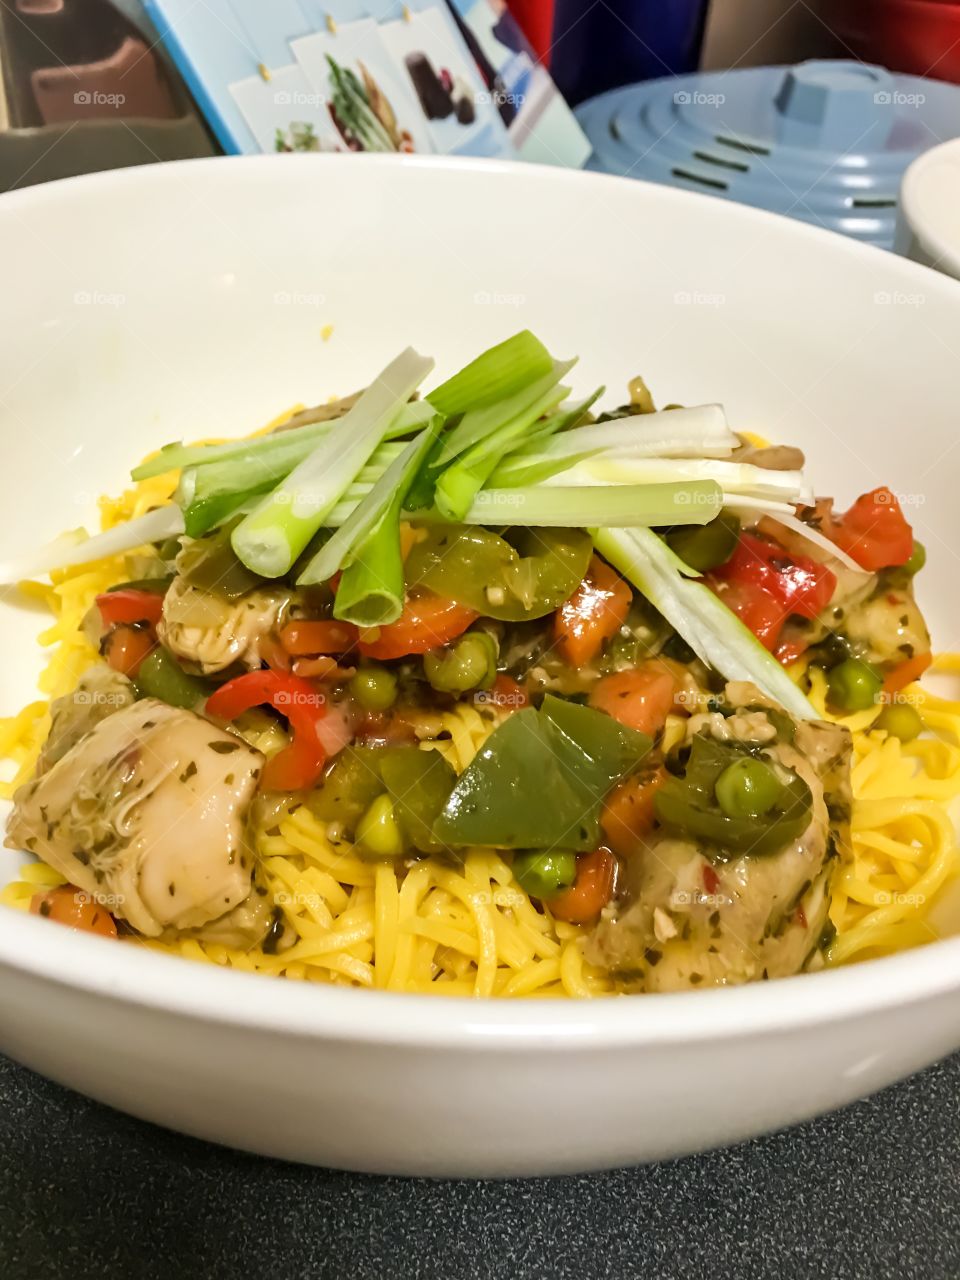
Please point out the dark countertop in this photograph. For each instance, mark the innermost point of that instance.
(872, 1191)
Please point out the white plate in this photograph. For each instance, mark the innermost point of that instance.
(188, 299)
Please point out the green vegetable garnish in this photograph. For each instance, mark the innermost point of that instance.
(901, 721)
(494, 375)
(419, 783)
(511, 581)
(543, 873)
(705, 546)
(540, 779)
(378, 831)
(690, 806)
(748, 788)
(415, 783)
(374, 687)
(161, 676)
(470, 662)
(853, 685)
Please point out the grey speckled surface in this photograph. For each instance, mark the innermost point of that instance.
(871, 1192)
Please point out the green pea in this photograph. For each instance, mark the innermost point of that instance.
(918, 558)
(468, 663)
(748, 788)
(378, 832)
(705, 546)
(901, 721)
(543, 873)
(854, 685)
(374, 687)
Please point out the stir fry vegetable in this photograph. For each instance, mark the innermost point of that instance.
(570, 753)
(299, 764)
(714, 797)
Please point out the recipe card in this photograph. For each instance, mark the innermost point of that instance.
(445, 77)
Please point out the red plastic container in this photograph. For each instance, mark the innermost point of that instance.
(921, 37)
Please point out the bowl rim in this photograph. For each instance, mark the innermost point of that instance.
(308, 1010)
(930, 241)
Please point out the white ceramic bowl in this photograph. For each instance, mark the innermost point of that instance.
(928, 214)
(187, 300)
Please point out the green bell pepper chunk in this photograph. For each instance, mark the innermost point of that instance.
(540, 779)
(161, 676)
(511, 581)
(688, 806)
(416, 782)
(349, 788)
(705, 546)
(420, 783)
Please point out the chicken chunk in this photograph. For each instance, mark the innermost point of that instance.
(100, 693)
(691, 916)
(148, 810)
(211, 633)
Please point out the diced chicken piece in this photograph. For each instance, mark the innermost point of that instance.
(150, 811)
(100, 693)
(211, 633)
(687, 919)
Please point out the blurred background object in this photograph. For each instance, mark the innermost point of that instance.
(928, 221)
(918, 36)
(826, 141)
(601, 46)
(84, 87)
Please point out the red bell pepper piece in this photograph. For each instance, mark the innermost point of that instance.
(874, 532)
(764, 584)
(130, 605)
(300, 764)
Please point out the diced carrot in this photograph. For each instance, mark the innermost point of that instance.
(906, 672)
(126, 647)
(627, 815)
(595, 612)
(641, 698)
(427, 622)
(322, 667)
(71, 906)
(325, 636)
(590, 892)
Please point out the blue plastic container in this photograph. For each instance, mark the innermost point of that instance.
(825, 142)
